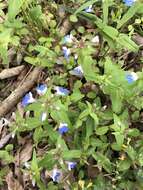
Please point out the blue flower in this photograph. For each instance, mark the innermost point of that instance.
(66, 52)
(77, 71)
(56, 175)
(61, 91)
(63, 128)
(71, 165)
(131, 77)
(68, 38)
(43, 116)
(89, 9)
(27, 99)
(129, 2)
(41, 89)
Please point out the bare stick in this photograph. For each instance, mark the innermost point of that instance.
(7, 73)
(18, 93)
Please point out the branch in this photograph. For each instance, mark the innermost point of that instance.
(18, 93)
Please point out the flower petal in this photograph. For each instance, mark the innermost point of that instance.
(41, 89)
(27, 99)
(56, 175)
(61, 91)
(77, 71)
(71, 165)
(131, 77)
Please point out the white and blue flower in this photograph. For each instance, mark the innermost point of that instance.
(41, 89)
(56, 175)
(71, 165)
(129, 3)
(89, 9)
(61, 91)
(68, 38)
(131, 77)
(43, 116)
(77, 71)
(66, 52)
(27, 99)
(95, 39)
(63, 128)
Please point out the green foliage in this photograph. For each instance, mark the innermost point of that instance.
(103, 110)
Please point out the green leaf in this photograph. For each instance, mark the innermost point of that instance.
(140, 158)
(36, 171)
(129, 14)
(34, 164)
(95, 142)
(61, 144)
(131, 152)
(119, 138)
(39, 134)
(53, 135)
(127, 43)
(73, 18)
(115, 146)
(133, 132)
(6, 157)
(14, 7)
(85, 5)
(89, 127)
(31, 60)
(47, 162)
(105, 5)
(5, 38)
(76, 96)
(117, 103)
(61, 116)
(124, 165)
(69, 154)
(111, 34)
(102, 130)
(103, 161)
(88, 66)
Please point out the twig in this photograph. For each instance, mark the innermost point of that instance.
(18, 93)
(7, 73)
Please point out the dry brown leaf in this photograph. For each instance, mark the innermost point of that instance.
(26, 153)
(4, 140)
(12, 183)
(138, 39)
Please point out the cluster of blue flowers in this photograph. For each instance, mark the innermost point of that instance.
(56, 174)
